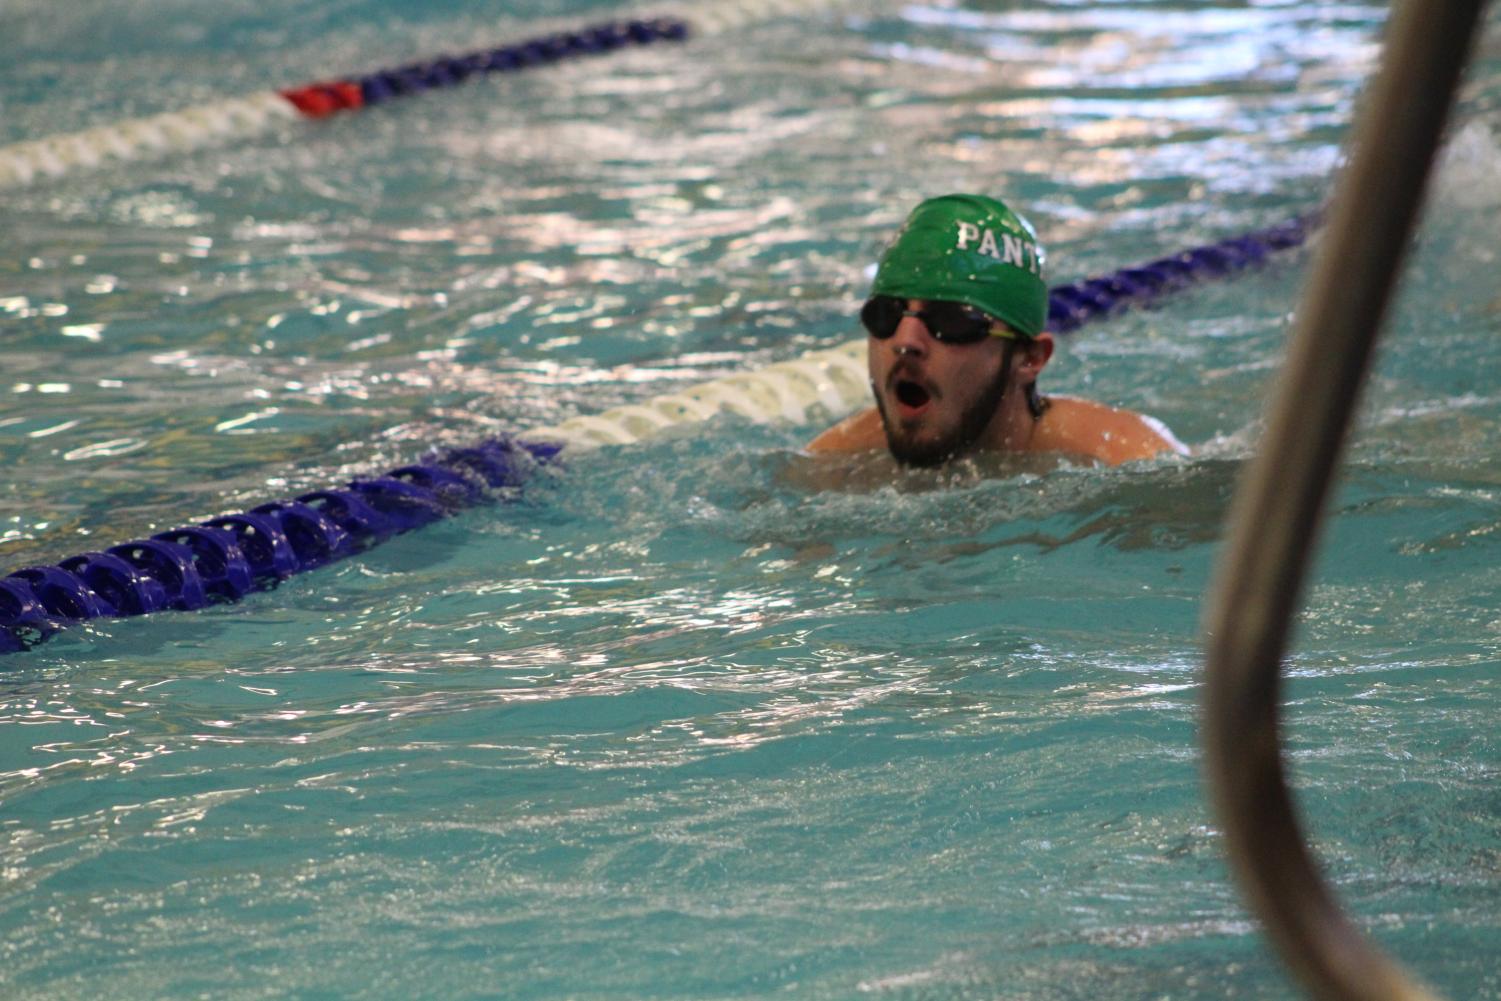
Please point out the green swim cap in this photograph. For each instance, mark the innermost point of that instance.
(970, 249)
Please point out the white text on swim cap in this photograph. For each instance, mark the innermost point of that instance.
(1018, 253)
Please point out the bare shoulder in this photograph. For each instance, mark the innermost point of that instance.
(861, 432)
(1109, 434)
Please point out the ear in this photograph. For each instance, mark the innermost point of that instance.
(1031, 357)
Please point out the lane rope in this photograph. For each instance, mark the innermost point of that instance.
(196, 128)
(228, 557)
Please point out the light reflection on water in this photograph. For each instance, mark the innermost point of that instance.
(675, 721)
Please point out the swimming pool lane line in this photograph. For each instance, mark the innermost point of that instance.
(225, 558)
(139, 139)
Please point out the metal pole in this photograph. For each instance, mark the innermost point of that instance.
(1275, 516)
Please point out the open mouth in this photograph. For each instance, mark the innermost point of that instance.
(910, 395)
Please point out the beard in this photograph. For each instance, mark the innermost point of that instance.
(972, 423)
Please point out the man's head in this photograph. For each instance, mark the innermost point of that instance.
(955, 317)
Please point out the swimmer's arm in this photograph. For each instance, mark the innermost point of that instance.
(861, 432)
(1167, 442)
(1142, 438)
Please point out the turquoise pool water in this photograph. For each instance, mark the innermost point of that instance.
(671, 725)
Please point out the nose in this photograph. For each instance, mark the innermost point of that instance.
(911, 335)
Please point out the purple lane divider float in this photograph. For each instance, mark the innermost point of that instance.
(225, 558)
(1070, 306)
(318, 100)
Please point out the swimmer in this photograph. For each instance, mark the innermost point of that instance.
(956, 344)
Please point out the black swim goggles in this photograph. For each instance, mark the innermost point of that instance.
(949, 322)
